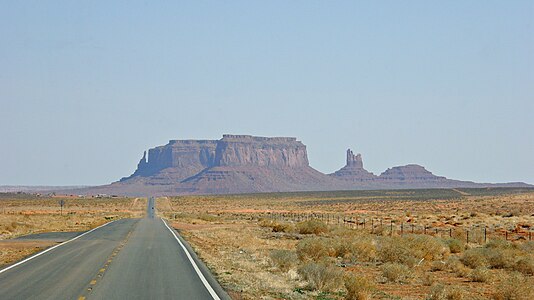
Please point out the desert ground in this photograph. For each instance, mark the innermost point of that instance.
(395, 244)
(402, 244)
(26, 214)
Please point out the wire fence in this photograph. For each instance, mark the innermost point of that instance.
(478, 233)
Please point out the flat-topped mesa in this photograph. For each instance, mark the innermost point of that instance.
(249, 138)
(182, 158)
(353, 170)
(409, 174)
(246, 150)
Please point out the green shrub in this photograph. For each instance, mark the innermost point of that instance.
(314, 249)
(442, 292)
(280, 227)
(496, 255)
(359, 248)
(437, 266)
(475, 258)
(427, 247)
(410, 249)
(427, 279)
(455, 266)
(364, 249)
(341, 247)
(501, 258)
(283, 259)
(456, 293)
(455, 245)
(514, 287)
(392, 250)
(395, 272)
(358, 288)
(312, 227)
(525, 265)
(480, 274)
(275, 226)
(321, 276)
(527, 247)
(499, 244)
(208, 217)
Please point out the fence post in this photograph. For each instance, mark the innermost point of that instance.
(412, 227)
(506, 234)
(402, 228)
(372, 225)
(425, 229)
(391, 228)
(467, 235)
(485, 234)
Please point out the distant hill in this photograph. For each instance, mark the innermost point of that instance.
(250, 164)
(37, 188)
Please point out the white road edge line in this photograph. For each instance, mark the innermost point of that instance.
(199, 273)
(52, 248)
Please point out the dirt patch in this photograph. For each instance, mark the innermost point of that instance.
(190, 226)
(15, 250)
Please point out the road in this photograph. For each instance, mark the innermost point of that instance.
(125, 259)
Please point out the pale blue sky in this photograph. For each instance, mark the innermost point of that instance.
(86, 86)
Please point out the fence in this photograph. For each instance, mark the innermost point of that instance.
(480, 233)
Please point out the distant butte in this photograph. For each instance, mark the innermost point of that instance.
(353, 170)
(251, 164)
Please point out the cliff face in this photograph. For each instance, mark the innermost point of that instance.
(354, 161)
(353, 170)
(179, 159)
(246, 150)
(245, 164)
(233, 164)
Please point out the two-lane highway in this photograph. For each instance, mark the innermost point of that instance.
(64, 272)
(126, 259)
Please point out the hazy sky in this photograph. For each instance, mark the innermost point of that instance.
(87, 86)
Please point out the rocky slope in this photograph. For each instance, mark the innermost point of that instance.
(249, 164)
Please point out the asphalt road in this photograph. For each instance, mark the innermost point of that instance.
(126, 259)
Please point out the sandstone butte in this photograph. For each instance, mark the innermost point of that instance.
(250, 164)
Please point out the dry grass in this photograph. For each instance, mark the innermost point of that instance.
(358, 287)
(398, 273)
(279, 246)
(283, 259)
(322, 276)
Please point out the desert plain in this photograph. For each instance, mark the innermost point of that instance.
(389, 244)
